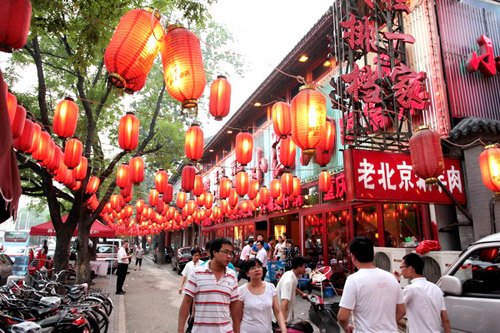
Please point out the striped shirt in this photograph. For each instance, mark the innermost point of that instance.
(212, 299)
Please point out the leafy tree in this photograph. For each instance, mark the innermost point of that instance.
(65, 49)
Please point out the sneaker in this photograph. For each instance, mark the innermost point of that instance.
(136, 269)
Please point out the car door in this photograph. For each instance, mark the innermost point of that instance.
(477, 309)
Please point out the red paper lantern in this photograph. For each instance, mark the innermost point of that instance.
(244, 148)
(92, 185)
(80, 172)
(224, 207)
(426, 154)
(161, 181)
(220, 98)
(241, 183)
(253, 188)
(304, 158)
(139, 206)
(286, 181)
(136, 170)
(65, 118)
(282, 119)
(133, 49)
(123, 176)
(187, 177)
(56, 160)
(181, 199)
(11, 106)
(15, 24)
(308, 112)
(225, 186)
(49, 158)
(198, 187)
(324, 181)
(489, 163)
(200, 199)
(73, 153)
(323, 158)
(128, 132)
(275, 188)
(232, 200)
(194, 142)
(37, 131)
(154, 195)
(287, 152)
(296, 187)
(18, 122)
(43, 145)
(209, 200)
(23, 143)
(264, 195)
(183, 66)
(169, 194)
(327, 141)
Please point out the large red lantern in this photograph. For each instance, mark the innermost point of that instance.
(286, 183)
(489, 163)
(65, 118)
(296, 187)
(18, 122)
(233, 198)
(308, 111)
(184, 73)
(287, 152)
(92, 185)
(80, 172)
(253, 188)
(426, 154)
(128, 132)
(225, 185)
(133, 49)
(187, 177)
(43, 146)
(37, 131)
(56, 159)
(161, 181)
(324, 181)
(15, 24)
(194, 142)
(198, 187)
(264, 195)
(73, 153)
(282, 119)
(23, 143)
(154, 195)
(139, 206)
(169, 194)
(323, 157)
(220, 98)
(209, 200)
(11, 106)
(224, 206)
(123, 176)
(327, 142)
(136, 169)
(180, 201)
(244, 148)
(241, 183)
(275, 188)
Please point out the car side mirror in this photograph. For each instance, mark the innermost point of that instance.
(450, 285)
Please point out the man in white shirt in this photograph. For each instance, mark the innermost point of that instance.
(424, 300)
(287, 287)
(190, 266)
(262, 256)
(244, 256)
(371, 295)
(121, 270)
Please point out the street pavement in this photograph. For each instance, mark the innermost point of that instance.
(151, 302)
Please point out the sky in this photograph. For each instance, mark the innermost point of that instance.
(265, 31)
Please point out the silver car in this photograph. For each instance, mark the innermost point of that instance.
(109, 254)
(472, 287)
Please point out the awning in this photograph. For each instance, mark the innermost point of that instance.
(97, 230)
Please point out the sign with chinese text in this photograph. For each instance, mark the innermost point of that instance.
(380, 176)
(337, 188)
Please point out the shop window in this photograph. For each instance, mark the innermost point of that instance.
(313, 231)
(365, 223)
(336, 231)
(401, 225)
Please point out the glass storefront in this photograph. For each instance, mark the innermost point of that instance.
(337, 241)
(402, 225)
(313, 234)
(366, 222)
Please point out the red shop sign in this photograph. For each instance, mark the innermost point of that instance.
(382, 176)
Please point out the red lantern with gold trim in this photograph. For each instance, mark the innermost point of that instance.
(220, 98)
(489, 163)
(187, 177)
(193, 146)
(288, 152)
(15, 24)
(136, 169)
(324, 181)
(92, 185)
(161, 181)
(128, 132)
(308, 112)
(133, 48)
(275, 188)
(65, 118)
(123, 176)
(225, 186)
(73, 153)
(18, 122)
(286, 182)
(282, 120)
(241, 183)
(244, 148)
(426, 154)
(184, 73)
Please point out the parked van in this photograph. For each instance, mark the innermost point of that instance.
(472, 287)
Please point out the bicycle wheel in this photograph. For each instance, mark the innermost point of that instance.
(106, 302)
(102, 319)
(93, 323)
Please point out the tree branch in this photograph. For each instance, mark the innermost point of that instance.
(104, 201)
(98, 73)
(42, 87)
(59, 68)
(152, 150)
(152, 124)
(111, 166)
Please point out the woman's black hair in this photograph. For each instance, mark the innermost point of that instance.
(252, 263)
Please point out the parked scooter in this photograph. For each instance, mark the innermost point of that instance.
(324, 315)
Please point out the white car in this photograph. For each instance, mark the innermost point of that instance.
(472, 287)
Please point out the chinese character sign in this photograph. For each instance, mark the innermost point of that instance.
(372, 175)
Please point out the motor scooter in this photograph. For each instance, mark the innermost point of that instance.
(324, 315)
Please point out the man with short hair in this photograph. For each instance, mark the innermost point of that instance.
(262, 256)
(287, 287)
(214, 290)
(121, 271)
(424, 300)
(244, 256)
(190, 266)
(371, 295)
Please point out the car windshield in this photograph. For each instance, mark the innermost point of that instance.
(185, 251)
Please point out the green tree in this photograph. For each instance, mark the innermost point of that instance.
(65, 48)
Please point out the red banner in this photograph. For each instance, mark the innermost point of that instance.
(383, 176)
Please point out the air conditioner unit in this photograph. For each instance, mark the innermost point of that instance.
(389, 259)
(436, 263)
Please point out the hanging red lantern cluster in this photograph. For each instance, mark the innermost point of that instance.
(426, 154)
(15, 24)
(489, 163)
(308, 112)
(244, 148)
(65, 118)
(128, 132)
(220, 98)
(133, 49)
(184, 73)
(193, 146)
(282, 120)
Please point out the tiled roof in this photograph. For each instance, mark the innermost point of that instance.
(475, 126)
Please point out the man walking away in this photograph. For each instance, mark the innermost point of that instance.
(287, 287)
(244, 256)
(214, 290)
(138, 252)
(424, 300)
(371, 295)
(262, 256)
(121, 270)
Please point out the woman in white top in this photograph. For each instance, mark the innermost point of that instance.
(279, 250)
(256, 303)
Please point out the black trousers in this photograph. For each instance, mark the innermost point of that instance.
(121, 274)
(138, 261)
